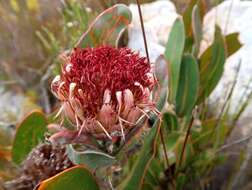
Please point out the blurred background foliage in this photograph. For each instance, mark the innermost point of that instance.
(34, 32)
(32, 35)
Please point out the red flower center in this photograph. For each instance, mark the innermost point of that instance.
(94, 70)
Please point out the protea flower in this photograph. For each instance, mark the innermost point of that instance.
(105, 91)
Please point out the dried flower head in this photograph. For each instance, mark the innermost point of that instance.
(44, 161)
(105, 91)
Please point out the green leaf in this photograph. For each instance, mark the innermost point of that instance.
(170, 121)
(212, 132)
(28, 135)
(205, 135)
(92, 159)
(151, 179)
(181, 181)
(189, 22)
(232, 43)
(75, 178)
(188, 153)
(188, 14)
(160, 92)
(172, 140)
(107, 27)
(188, 86)
(134, 180)
(157, 167)
(161, 72)
(212, 66)
(147, 186)
(173, 54)
(196, 28)
(189, 44)
(187, 17)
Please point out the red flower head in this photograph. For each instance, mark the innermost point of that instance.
(105, 91)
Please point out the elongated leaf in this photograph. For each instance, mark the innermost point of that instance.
(196, 28)
(181, 181)
(161, 72)
(75, 178)
(170, 122)
(134, 181)
(173, 54)
(90, 158)
(107, 27)
(172, 140)
(188, 153)
(147, 186)
(160, 92)
(208, 134)
(188, 85)
(187, 15)
(152, 177)
(212, 66)
(29, 134)
(232, 42)
(189, 21)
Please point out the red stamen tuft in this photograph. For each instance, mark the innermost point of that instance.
(94, 70)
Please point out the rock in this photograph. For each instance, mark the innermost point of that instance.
(232, 16)
(13, 107)
(158, 19)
